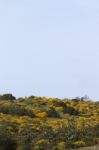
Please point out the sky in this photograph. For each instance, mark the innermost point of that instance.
(49, 48)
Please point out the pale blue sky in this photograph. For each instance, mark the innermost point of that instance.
(49, 48)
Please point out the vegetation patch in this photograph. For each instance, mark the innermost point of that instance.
(39, 123)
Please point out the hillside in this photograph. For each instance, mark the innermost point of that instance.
(40, 123)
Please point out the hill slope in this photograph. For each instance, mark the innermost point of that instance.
(39, 123)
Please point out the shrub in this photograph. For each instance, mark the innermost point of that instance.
(52, 113)
(7, 142)
(13, 109)
(7, 97)
(79, 144)
(43, 144)
(61, 145)
(41, 115)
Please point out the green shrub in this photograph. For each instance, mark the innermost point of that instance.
(79, 144)
(7, 97)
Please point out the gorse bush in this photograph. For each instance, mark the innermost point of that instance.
(15, 109)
